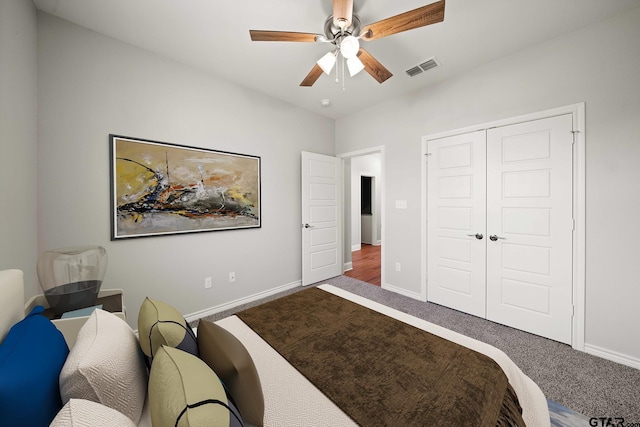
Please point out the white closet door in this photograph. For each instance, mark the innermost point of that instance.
(456, 213)
(529, 213)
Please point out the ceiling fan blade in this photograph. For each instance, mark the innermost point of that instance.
(282, 36)
(373, 67)
(425, 15)
(313, 75)
(342, 13)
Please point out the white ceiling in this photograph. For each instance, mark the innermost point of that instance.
(213, 36)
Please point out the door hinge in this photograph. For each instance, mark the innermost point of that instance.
(573, 224)
(574, 132)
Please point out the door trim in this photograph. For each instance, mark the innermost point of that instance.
(372, 150)
(579, 205)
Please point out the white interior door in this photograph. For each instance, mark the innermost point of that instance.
(530, 226)
(321, 217)
(456, 212)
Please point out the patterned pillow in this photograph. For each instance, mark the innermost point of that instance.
(31, 357)
(160, 324)
(185, 392)
(226, 355)
(85, 413)
(105, 365)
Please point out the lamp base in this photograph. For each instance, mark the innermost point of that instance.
(73, 296)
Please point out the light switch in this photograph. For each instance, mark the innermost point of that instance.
(401, 204)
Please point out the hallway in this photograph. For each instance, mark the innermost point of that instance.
(366, 264)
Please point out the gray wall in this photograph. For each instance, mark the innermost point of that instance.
(598, 65)
(89, 86)
(18, 206)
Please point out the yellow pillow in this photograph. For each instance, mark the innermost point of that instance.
(160, 324)
(185, 392)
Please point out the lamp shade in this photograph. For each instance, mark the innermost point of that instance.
(71, 277)
(349, 47)
(355, 66)
(327, 62)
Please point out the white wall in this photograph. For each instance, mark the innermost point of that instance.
(90, 86)
(598, 65)
(18, 208)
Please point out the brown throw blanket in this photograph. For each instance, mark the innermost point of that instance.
(381, 371)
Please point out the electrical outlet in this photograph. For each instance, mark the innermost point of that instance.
(232, 277)
(398, 266)
(207, 282)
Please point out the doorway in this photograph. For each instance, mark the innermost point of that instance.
(363, 216)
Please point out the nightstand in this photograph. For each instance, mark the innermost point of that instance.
(112, 300)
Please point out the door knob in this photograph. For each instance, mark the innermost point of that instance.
(478, 236)
(493, 237)
(308, 226)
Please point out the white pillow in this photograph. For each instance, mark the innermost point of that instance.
(105, 365)
(85, 413)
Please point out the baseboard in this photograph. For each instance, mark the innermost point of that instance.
(612, 355)
(347, 266)
(231, 304)
(377, 243)
(402, 291)
(356, 247)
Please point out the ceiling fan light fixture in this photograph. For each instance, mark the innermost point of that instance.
(355, 65)
(327, 62)
(349, 47)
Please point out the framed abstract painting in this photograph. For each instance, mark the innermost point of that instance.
(158, 188)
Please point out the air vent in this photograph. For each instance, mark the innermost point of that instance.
(414, 71)
(424, 66)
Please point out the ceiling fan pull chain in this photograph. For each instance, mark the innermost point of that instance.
(343, 89)
(337, 68)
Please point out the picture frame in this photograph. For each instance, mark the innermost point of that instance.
(160, 188)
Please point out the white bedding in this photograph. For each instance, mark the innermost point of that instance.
(291, 400)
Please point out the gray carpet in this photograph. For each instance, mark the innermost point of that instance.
(586, 384)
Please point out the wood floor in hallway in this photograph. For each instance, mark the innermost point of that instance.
(366, 264)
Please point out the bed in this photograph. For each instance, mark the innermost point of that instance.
(290, 399)
(314, 405)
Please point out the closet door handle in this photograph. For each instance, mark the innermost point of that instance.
(478, 236)
(493, 237)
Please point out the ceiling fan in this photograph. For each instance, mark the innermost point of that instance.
(344, 31)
